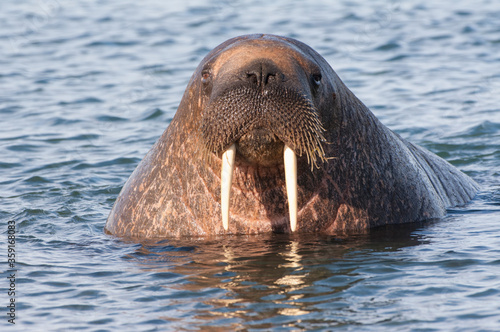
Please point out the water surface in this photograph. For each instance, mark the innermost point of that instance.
(87, 88)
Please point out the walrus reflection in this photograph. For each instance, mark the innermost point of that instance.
(267, 138)
(271, 268)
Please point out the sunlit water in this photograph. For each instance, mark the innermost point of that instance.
(87, 87)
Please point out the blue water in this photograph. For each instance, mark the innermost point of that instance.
(87, 87)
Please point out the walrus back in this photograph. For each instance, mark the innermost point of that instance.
(451, 185)
(384, 179)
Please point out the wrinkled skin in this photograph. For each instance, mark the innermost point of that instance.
(358, 174)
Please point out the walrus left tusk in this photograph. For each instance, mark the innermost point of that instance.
(226, 182)
(290, 161)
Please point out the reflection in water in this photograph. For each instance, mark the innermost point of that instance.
(294, 282)
(253, 279)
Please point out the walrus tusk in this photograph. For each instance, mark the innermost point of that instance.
(290, 160)
(226, 182)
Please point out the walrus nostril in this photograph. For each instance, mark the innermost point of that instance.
(254, 78)
(261, 73)
(260, 78)
(269, 77)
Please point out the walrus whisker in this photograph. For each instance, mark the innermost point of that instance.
(289, 114)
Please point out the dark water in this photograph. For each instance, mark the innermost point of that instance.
(86, 89)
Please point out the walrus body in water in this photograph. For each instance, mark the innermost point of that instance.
(267, 138)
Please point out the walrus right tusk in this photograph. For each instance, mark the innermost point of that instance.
(290, 161)
(226, 182)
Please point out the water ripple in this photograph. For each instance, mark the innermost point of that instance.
(88, 87)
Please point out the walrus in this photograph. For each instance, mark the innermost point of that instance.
(267, 138)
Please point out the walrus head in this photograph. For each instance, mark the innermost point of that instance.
(267, 138)
(262, 109)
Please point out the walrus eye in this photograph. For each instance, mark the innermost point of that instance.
(317, 78)
(205, 76)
